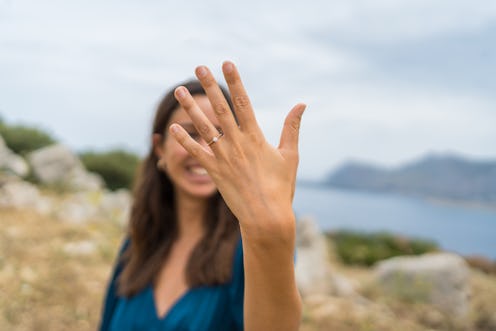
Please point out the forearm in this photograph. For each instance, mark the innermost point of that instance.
(272, 301)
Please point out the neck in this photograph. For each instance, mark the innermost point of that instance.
(190, 216)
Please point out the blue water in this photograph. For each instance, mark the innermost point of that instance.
(467, 231)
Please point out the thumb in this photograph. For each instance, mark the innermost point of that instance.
(291, 129)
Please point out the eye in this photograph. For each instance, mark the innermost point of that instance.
(194, 134)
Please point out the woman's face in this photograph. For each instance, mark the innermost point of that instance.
(186, 173)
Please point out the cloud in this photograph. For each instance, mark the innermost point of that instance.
(400, 20)
(93, 71)
(389, 124)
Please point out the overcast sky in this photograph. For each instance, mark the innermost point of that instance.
(386, 81)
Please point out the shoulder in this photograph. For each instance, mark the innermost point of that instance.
(111, 297)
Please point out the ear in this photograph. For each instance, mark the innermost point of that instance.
(157, 142)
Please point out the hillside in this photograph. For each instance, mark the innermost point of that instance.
(444, 177)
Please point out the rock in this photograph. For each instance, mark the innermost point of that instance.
(116, 205)
(12, 163)
(313, 269)
(81, 207)
(57, 166)
(18, 194)
(81, 180)
(52, 164)
(78, 208)
(342, 286)
(314, 274)
(440, 279)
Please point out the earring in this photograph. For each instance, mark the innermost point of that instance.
(161, 164)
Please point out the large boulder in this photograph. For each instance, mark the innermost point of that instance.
(11, 163)
(57, 166)
(20, 195)
(312, 269)
(314, 273)
(440, 279)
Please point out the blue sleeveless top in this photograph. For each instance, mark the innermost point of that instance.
(204, 308)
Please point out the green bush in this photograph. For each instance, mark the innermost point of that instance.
(117, 167)
(367, 248)
(24, 139)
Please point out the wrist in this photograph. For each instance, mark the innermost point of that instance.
(270, 231)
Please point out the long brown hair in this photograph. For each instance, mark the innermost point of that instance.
(153, 224)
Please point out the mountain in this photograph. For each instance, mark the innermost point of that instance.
(446, 177)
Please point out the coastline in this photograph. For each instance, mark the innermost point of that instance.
(467, 229)
(463, 203)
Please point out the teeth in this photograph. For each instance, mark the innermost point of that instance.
(198, 170)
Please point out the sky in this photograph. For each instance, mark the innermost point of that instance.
(385, 81)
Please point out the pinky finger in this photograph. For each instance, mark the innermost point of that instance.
(203, 155)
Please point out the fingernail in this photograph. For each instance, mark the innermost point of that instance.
(201, 71)
(181, 91)
(228, 67)
(174, 128)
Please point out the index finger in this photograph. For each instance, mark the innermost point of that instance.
(241, 101)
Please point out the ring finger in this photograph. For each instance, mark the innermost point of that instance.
(202, 124)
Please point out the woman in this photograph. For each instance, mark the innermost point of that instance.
(209, 181)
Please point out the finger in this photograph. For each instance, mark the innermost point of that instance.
(201, 122)
(217, 99)
(239, 97)
(202, 154)
(291, 129)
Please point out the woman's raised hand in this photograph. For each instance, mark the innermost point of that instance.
(256, 180)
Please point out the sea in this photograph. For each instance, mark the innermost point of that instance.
(457, 228)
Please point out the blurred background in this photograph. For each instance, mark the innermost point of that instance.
(398, 152)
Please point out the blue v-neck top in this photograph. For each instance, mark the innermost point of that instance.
(204, 308)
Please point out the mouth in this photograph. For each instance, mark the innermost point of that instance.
(197, 170)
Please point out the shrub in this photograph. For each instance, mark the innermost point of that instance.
(117, 167)
(24, 139)
(368, 248)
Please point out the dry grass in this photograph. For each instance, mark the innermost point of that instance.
(43, 286)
